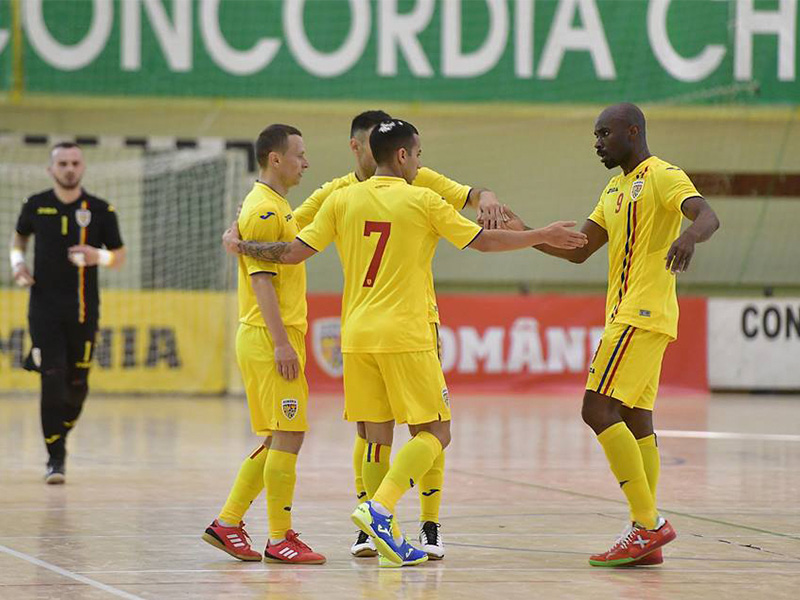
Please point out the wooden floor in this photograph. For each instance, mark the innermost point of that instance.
(528, 496)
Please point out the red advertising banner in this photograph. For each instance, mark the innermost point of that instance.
(505, 343)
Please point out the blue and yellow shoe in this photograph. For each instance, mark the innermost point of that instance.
(379, 527)
(411, 556)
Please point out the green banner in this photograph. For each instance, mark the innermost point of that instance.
(563, 51)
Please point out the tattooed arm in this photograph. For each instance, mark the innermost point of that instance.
(290, 253)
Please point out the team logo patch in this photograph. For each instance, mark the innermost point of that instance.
(326, 341)
(289, 408)
(636, 189)
(446, 397)
(36, 357)
(83, 217)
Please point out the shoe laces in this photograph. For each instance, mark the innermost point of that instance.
(625, 538)
(431, 532)
(296, 543)
(245, 535)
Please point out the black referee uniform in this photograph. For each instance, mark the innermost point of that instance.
(64, 305)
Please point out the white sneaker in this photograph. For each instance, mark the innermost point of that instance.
(431, 539)
(363, 547)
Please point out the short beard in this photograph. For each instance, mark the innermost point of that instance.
(67, 186)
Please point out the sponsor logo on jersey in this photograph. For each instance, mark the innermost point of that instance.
(612, 190)
(644, 313)
(289, 408)
(326, 341)
(83, 217)
(46, 210)
(268, 215)
(288, 217)
(636, 189)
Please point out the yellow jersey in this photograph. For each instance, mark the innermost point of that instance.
(453, 193)
(267, 217)
(386, 232)
(641, 212)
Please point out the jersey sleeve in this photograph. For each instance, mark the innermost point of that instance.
(450, 225)
(454, 193)
(598, 214)
(112, 239)
(674, 186)
(306, 212)
(254, 227)
(25, 220)
(322, 230)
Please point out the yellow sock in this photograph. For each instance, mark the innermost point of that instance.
(375, 465)
(625, 461)
(651, 459)
(412, 462)
(359, 448)
(279, 478)
(430, 491)
(246, 487)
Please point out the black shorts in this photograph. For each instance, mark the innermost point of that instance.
(61, 344)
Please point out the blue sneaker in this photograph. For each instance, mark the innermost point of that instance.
(411, 557)
(379, 527)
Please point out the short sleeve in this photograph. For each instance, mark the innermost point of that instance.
(322, 230)
(306, 212)
(598, 214)
(450, 225)
(25, 220)
(454, 193)
(674, 186)
(262, 225)
(112, 239)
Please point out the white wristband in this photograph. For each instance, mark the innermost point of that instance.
(17, 257)
(105, 258)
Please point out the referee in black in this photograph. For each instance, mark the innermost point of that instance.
(74, 232)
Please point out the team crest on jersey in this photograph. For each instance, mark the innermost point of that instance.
(636, 189)
(326, 341)
(289, 408)
(83, 217)
(446, 397)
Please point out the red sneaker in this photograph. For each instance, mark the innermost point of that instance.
(292, 551)
(233, 540)
(654, 558)
(634, 544)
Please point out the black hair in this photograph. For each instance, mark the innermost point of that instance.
(388, 137)
(66, 145)
(367, 120)
(274, 138)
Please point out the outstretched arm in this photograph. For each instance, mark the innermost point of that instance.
(491, 213)
(558, 234)
(705, 224)
(290, 253)
(596, 237)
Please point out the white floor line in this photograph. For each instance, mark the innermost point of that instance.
(423, 570)
(74, 576)
(728, 435)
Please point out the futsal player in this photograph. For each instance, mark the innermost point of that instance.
(639, 214)
(386, 232)
(270, 349)
(74, 232)
(490, 212)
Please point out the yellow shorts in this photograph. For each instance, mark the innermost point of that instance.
(275, 403)
(406, 387)
(627, 365)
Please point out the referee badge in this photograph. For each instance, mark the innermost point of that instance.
(636, 189)
(289, 408)
(83, 217)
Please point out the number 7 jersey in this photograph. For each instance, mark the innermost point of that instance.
(386, 233)
(641, 212)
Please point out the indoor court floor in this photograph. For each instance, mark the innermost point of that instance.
(528, 496)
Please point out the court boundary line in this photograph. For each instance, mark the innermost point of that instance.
(727, 435)
(69, 574)
(573, 493)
